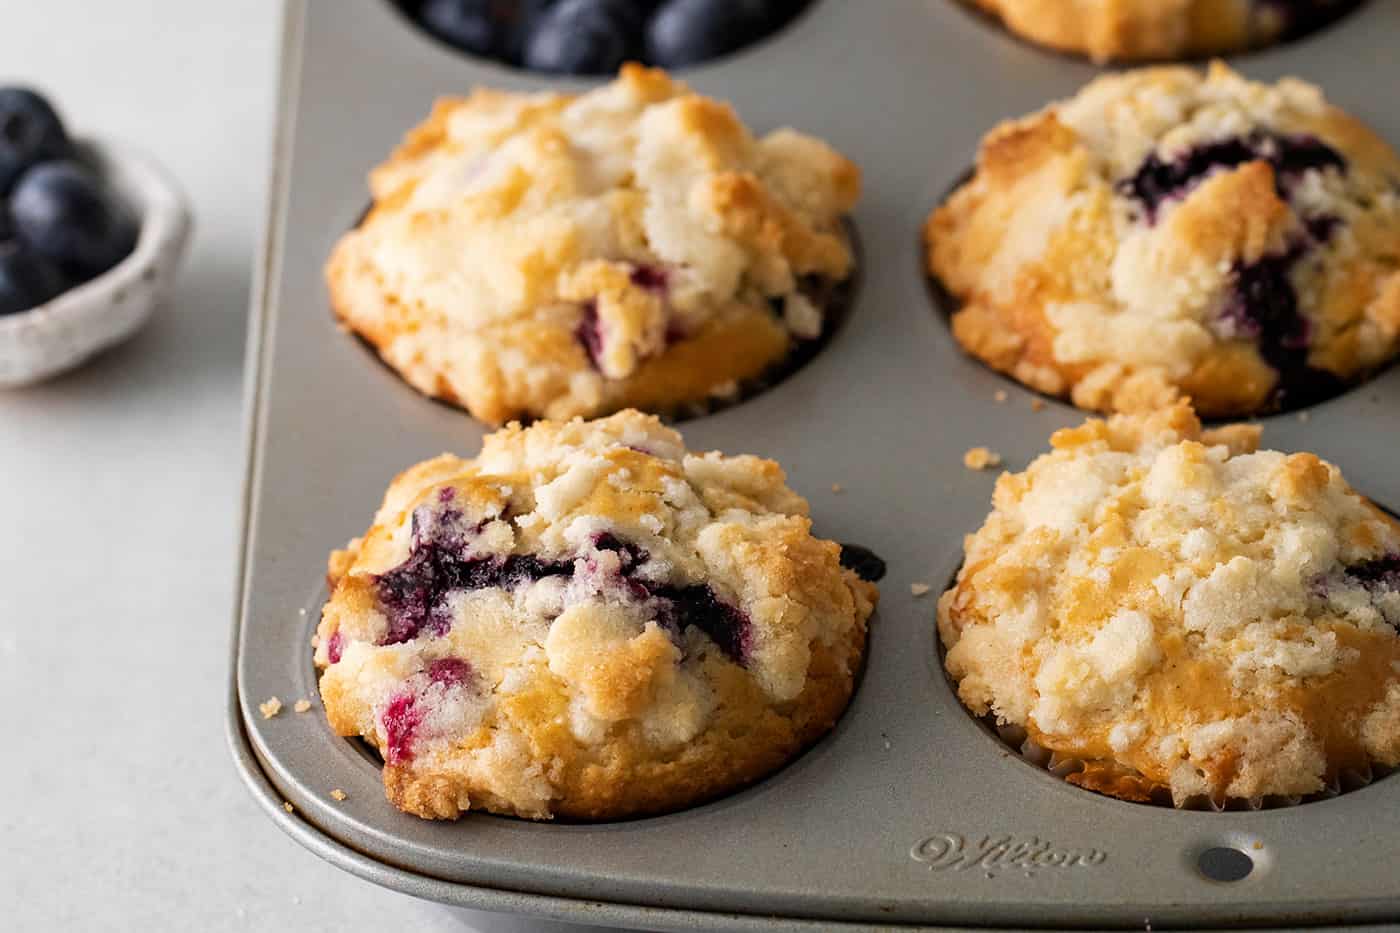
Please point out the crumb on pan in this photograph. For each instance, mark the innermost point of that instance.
(919, 589)
(270, 707)
(1001, 396)
(837, 488)
(981, 458)
(1037, 404)
(338, 794)
(287, 805)
(302, 705)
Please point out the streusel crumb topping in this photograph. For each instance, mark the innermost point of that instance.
(1182, 610)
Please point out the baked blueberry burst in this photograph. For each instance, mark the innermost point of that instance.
(1381, 575)
(586, 620)
(808, 313)
(1262, 303)
(416, 596)
(1290, 157)
(1368, 586)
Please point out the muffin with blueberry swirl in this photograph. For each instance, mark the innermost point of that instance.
(1170, 233)
(586, 620)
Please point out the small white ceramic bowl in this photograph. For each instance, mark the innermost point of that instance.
(70, 329)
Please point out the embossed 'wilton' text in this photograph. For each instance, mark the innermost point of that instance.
(951, 851)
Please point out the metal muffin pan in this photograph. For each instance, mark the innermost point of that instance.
(909, 813)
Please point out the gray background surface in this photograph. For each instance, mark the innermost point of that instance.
(119, 805)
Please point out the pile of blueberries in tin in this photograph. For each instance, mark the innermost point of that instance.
(593, 37)
(60, 223)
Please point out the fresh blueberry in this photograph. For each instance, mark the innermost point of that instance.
(520, 17)
(66, 213)
(30, 133)
(635, 12)
(584, 37)
(470, 25)
(493, 28)
(687, 32)
(27, 279)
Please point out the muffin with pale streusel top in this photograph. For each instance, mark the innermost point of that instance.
(553, 255)
(585, 620)
(1144, 30)
(1168, 233)
(1184, 614)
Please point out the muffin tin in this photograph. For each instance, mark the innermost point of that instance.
(909, 813)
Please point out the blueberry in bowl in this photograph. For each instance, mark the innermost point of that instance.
(595, 37)
(27, 279)
(90, 236)
(30, 133)
(62, 210)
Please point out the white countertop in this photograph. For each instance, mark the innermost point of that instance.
(119, 485)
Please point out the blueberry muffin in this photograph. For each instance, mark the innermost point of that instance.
(1183, 614)
(1144, 30)
(1168, 233)
(553, 255)
(587, 621)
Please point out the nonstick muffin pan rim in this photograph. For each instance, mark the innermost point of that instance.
(862, 828)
